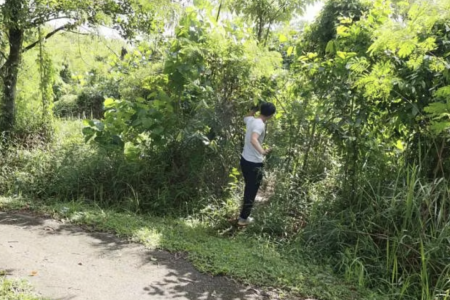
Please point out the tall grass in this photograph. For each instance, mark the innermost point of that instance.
(177, 179)
(394, 237)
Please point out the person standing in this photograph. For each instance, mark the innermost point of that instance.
(252, 159)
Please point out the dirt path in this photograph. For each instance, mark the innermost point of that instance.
(64, 262)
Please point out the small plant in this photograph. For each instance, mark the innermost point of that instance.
(16, 290)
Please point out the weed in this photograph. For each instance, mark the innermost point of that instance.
(16, 290)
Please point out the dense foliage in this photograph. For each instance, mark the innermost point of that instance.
(358, 176)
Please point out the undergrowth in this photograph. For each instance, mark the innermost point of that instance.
(172, 180)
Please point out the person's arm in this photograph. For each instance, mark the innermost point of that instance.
(257, 145)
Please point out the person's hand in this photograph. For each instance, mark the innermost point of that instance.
(267, 151)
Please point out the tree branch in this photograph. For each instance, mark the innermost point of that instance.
(218, 12)
(79, 33)
(38, 22)
(31, 46)
(110, 49)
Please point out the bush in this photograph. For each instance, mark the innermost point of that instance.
(90, 102)
(66, 106)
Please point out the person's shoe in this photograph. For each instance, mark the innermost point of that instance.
(245, 222)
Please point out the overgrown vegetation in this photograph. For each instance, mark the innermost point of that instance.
(357, 179)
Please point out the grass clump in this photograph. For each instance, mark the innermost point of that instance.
(16, 290)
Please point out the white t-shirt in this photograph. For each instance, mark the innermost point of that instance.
(253, 125)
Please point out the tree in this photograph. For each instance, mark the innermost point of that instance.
(20, 20)
(265, 13)
(324, 29)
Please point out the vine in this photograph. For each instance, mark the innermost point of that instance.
(47, 79)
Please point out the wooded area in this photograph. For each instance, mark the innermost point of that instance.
(151, 122)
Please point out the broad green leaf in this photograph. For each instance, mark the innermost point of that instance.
(109, 103)
(342, 31)
(399, 145)
(290, 50)
(311, 55)
(330, 47)
(283, 38)
(346, 20)
(341, 54)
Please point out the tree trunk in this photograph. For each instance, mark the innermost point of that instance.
(260, 25)
(10, 70)
(219, 11)
(9, 73)
(309, 147)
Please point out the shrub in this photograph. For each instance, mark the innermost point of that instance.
(66, 106)
(90, 102)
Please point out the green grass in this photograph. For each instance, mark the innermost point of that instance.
(238, 255)
(16, 290)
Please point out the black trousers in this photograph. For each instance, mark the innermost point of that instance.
(253, 175)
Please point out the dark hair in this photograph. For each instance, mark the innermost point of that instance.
(268, 109)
